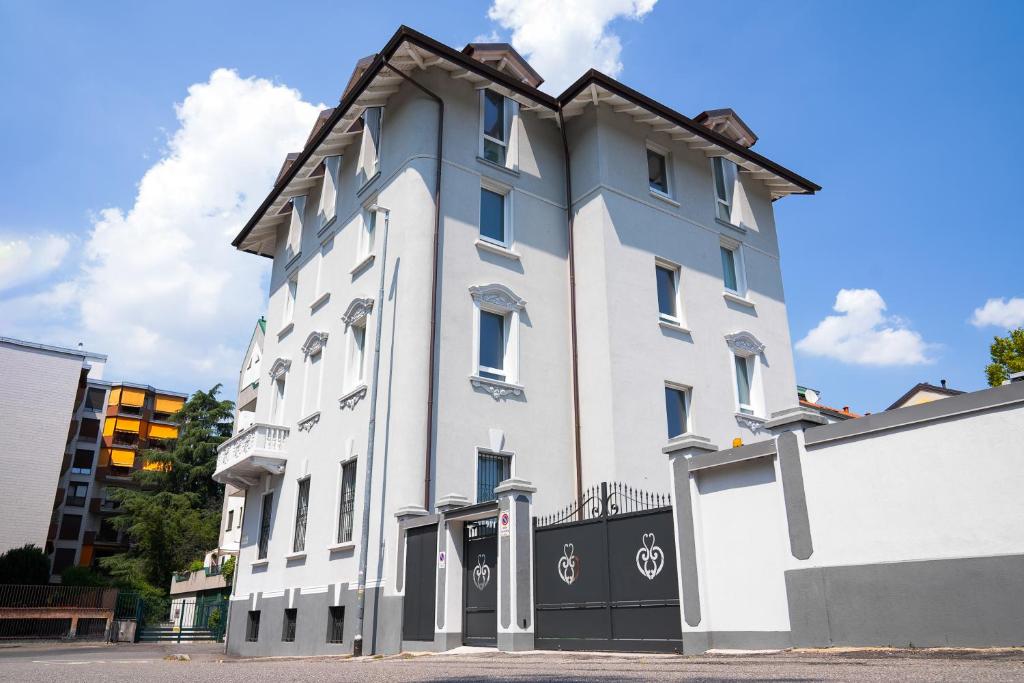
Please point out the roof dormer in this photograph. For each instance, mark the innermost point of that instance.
(505, 59)
(728, 123)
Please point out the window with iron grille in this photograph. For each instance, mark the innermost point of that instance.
(268, 503)
(288, 629)
(348, 502)
(491, 470)
(301, 516)
(335, 624)
(252, 627)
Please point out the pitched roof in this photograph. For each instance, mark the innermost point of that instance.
(924, 386)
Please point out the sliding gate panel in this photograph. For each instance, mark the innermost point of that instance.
(608, 582)
(420, 583)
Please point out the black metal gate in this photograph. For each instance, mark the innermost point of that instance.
(605, 572)
(420, 583)
(480, 584)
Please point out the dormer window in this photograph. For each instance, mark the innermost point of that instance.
(329, 191)
(369, 149)
(497, 116)
(294, 245)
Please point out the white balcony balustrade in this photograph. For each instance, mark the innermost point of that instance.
(253, 452)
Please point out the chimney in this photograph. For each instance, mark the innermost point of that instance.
(943, 383)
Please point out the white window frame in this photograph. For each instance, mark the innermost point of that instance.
(296, 221)
(679, 318)
(327, 210)
(511, 145)
(667, 156)
(687, 397)
(480, 450)
(500, 300)
(738, 263)
(259, 525)
(293, 553)
(337, 544)
(321, 292)
(728, 201)
(746, 347)
(279, 390)
(369, 155)
(367, 234)
(291, 292)
(506, 192)
(312, 349)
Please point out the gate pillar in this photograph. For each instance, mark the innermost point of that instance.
(515, 565)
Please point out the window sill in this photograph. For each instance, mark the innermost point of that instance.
(496, 388)
(664, 197)
(296, 556)
(353, 397)
(737, 299)
(292, 261)
(504, 169)
(674, 326)
(283, 332)
(341, 547)
(327, 224)
(737, 228)
(369, 181)
(320, 301)
(363, 265)
(259, 563)
(493, 248)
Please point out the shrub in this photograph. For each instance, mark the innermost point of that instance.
(83, 576)
(25, 565)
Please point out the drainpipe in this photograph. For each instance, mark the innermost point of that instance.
(435, 279)
(364, 528)
(572, 313)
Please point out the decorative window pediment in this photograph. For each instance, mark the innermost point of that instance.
(314, 343)
(497, 296)
(280, 368)
(356, 311)
(744, 344)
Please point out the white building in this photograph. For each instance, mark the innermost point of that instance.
(436, 328)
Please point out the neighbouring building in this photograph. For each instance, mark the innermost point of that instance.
(923, 392)
(811, 399)
(552, 289)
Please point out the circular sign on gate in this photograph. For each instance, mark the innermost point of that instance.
(504, 523)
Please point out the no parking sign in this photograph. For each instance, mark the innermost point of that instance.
(504, 524)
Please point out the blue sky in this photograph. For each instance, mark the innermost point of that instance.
(906, 113)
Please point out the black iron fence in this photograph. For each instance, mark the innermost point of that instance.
(606, 499)
(13, 596)
(58, 612)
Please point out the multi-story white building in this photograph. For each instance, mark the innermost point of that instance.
(473, 280)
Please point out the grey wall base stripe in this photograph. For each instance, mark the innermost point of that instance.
(962, 602)
(515, 642)
(696, 642)
(793, 493)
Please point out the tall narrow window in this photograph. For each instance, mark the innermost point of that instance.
(231, 520)
(668, 292)
(252, 626)
(346, 512)
(677, 401)
(369, 234)
(290, 292)
(730, 272)
(277, 404)
(725, 173)
(294, 244)
(335, 623)
(492, 216)
(301, 517)
(492, 345)
(264, 538)
(329, 191)
(497, 128)
(291, 616)
(369, 151)
(357, 353)
(314, 372)
(657, 171)
(743, 377)
(495, 336)
(491, 470)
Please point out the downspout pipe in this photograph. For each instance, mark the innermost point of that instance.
(434, 282)
(572, 313)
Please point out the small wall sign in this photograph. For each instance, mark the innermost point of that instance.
(504, 524)
(442, 559)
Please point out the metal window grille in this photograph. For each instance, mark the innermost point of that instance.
(252, 627)
(348, 503)
(268, 501)
(288, 629)
(335, 624)
(301, 516)
(491, 470)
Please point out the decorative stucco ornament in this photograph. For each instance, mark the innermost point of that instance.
(650, 559)
(567, 564)
(481, 573)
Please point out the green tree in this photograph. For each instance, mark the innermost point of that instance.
(83, 576)
(25, 565)
(175, 515)
(1007, 357)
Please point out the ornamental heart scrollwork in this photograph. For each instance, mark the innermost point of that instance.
(568, 564)
(481, 573)
(650, 559)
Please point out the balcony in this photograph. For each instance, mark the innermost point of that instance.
(245, 457)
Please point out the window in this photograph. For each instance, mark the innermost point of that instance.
(494, 215)
(301, 517)
(264, 540)
(82, 464)
(277, 404)
(125, 409)
(126, 438)
(294, 246)
(290, 292)
(94, 399)
(321, 280)
(70, 527)
(491, 470)
(77, 493)
(369, 233)
(314, 371)
(63, 558)
(667, 276)
(357, 353)
(743, 377)
(288, 628)
(369, 149)
(89, 429)
(495, 333)
(107, 531)
(252, 627)
(732, 268)
(497, 118)
(677, 405)
(335, 624)
(725, 173)
(493, 338)
(346, 512)
(329, 192)
(231, 520)
(657, 171)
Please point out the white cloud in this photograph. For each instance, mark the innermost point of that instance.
(863, 335)
(563, 38)
(1000, 313)
(26, 260)
(161, 289)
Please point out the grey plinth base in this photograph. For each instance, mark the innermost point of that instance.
(515, 642)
